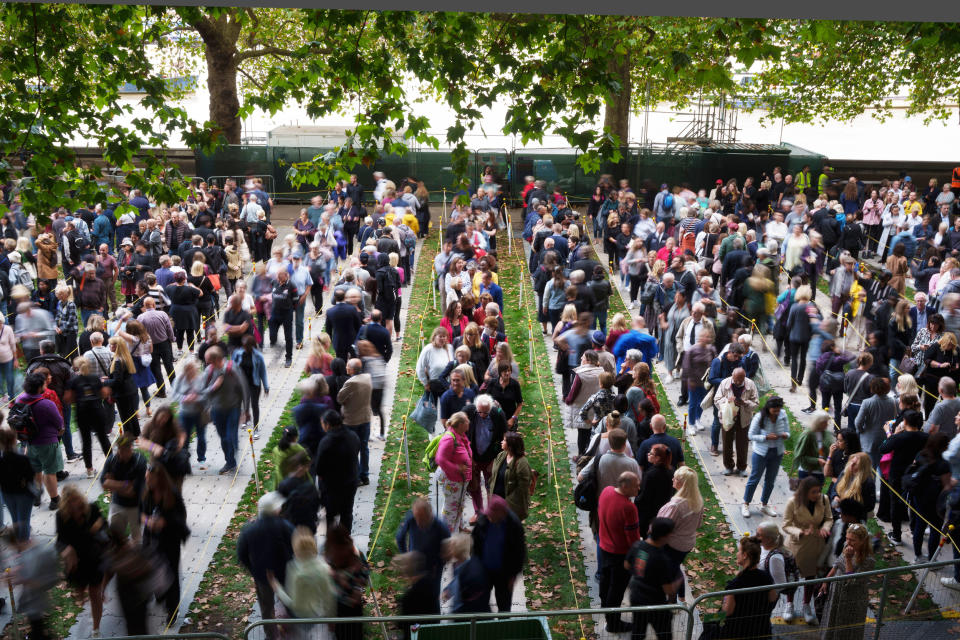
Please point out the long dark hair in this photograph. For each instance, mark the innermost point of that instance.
(162, 491)
(515, 444)
(288, 438)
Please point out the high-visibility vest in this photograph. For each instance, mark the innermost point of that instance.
(802, 180)
(823, 182)
(955, 180)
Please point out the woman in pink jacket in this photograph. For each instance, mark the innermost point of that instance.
(455, 464)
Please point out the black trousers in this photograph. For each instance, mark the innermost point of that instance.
(659, 620)
(339, 502)
(93, 420)
(316, 293)
(502, 591)
(127, 408)
(282, 319)
(162, 357)
(376, 405)
(613, 582)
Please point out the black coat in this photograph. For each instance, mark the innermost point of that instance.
(266, 545)
(514, 544)
(335, 462)
(499, 427)
(343, 323)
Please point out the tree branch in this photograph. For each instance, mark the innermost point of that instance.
(262, 51)
(253, 80)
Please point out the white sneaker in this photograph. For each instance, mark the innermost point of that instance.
(691, 431)
(788, 613)
(950, 583)
(745, 510)
(668, 379)
(808, 614)
(767, 510)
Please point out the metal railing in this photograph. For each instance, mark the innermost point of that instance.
(881, 594)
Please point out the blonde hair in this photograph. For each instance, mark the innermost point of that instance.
(689, 488)
(394, 259)
(466, 370)
(803, 294)
(437, 333)
(907, 385)
(619, 323)
(850, 485)
(121, 352)
(569, 313)
(66, 292)
(196, 269)
(304, 544)
(948, 341)
(82, 365)
(458, 546)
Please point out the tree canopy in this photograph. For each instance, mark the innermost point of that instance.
(575, 76)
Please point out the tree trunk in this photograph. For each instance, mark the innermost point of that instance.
(222, 89)
(220, 38)
(616, 116)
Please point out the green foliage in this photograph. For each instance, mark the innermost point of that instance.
(63, 67)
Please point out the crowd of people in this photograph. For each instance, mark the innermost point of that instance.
(711, 275)
(76, 357)
(704, 280)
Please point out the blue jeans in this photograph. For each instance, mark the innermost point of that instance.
(227, 423)
(363, 432)
(600, 320)
(695, 396)
(7, 376)
(86, 313)
(298, 321)
(894, 365)
(20, 506)
(191, 422)
(766, 466)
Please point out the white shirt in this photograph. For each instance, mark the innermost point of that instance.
(776, 231)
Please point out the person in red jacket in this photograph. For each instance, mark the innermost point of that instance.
(619, 529)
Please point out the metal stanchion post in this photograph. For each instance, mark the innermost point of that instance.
(253, 454)
(530, 347)
(443, 216)
(883, 601)
(406, 450)
(15, 629)
(933, 558)
(550, 448)
(509, 235)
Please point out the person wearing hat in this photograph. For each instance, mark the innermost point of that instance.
(597, 340)
(769, 431)
(123, 476)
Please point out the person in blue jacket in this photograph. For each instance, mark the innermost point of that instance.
(636, 338)
(250, 361)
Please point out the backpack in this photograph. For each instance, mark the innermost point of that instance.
(649, 291)
(916, 478)
(790, 568)
(408, 237)
(22, 421)
(668, 201)
(586, 495)
(430, 455)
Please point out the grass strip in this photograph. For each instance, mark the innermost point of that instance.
(226, 594)
(555, 575)
(393, 498)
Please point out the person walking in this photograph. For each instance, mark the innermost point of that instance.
(17, 484)
(737, 399)
(250, 361)
(653, 580)
(86, 391)
(165, 530)
(284, 299)
(265, 547)
(769, 431)
(43, 448)
(225, 392)
(335, 468)
(499, 541)
(423, 532)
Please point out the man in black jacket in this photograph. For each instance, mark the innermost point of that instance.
(355, 190)
(265, 547)
(284, 297)
(336, 469)
(499, 542)
(487, 428)
(342, 324)
(377, 334)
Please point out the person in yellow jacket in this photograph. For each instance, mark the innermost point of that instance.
(803, 180)
(410, 219)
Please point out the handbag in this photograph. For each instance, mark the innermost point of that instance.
(214, 279)
(884, 466)
(425, 413)
(908, 365)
